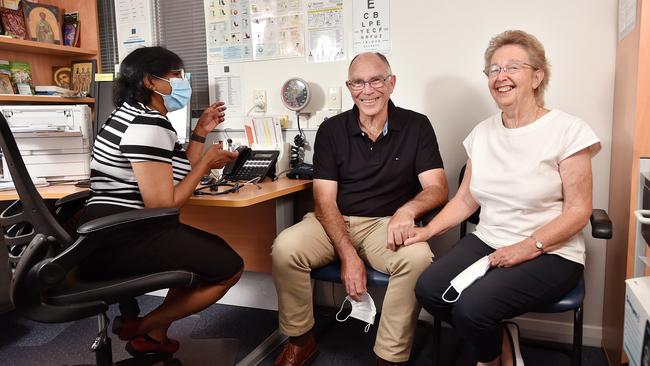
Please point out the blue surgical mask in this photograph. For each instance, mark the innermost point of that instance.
(180, 95)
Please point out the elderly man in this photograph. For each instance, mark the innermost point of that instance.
(369, 164)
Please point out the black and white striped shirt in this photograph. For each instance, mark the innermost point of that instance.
(132, 133)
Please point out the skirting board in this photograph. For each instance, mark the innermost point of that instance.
(546, 330)
(247, 293)
(555, 331)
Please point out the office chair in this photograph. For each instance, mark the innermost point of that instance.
(601, 228)
(46, 285)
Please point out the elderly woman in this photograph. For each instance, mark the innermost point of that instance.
(529, 170)
(137, 163)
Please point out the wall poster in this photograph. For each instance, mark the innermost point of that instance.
(278, 28)
(228, 29)
(325, 32)
(245, 30)
(134, 25)
(371, 26)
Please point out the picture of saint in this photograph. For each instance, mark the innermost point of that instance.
(61, 76)
(43, 22)
(82, 77)
(5, 84)
(44, 32)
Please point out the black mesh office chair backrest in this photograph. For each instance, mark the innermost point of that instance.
(29, 215)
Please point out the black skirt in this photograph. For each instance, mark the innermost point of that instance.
(156, 248)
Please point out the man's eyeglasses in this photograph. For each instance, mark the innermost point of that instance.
(493, 70)
(376, 82)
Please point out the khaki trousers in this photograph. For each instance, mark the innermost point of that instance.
(305, 245)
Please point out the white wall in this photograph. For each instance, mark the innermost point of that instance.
(437, 55)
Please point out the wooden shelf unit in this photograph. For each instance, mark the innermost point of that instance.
(43, 99)
(40, 48)
(43, 56)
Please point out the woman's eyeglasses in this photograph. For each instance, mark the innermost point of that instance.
(493, 70)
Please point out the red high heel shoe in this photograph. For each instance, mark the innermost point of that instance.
(125, 329)
(143, 345)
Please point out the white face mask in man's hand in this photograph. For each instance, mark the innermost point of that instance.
(363, 310)
(467, 277)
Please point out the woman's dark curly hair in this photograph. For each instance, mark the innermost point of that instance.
(129, 87)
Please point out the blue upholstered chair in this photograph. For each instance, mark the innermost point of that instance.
(332, 273)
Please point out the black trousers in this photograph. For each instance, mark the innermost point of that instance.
(503, 293)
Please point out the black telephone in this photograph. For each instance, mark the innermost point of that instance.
(251, 164)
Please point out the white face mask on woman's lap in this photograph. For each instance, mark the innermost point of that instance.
(470, 274)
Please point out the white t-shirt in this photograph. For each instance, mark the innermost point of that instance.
(516, 178)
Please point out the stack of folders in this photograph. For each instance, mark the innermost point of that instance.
(263, 132)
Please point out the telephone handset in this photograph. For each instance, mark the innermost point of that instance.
(251, 164)
(236, 165)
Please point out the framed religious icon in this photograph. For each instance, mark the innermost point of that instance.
(5, 84)
(13, 22)
(61, 76)
(43, 22)
(83, 77)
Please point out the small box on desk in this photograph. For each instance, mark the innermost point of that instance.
(636, 333)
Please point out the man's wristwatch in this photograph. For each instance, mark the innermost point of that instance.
(538, 244)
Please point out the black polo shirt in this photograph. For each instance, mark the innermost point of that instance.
(375, 178)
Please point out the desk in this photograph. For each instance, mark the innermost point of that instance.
(248, 220)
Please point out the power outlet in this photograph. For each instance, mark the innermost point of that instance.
(259, 100)
(334, 98)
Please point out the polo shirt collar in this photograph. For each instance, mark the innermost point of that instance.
(393, 122)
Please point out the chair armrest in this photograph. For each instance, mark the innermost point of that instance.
(129, 219)
(74, 198)
(68, 209)
(601, 225)
(54, 270)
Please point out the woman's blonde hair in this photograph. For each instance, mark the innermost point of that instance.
(533, 48)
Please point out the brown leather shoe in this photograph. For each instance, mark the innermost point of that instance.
(293, 355)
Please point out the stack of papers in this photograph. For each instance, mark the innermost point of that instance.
(53, 90)
(8, 186)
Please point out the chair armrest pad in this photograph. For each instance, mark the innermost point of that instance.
(72, 198)
(54, 270)
(128, 219)
(601, 225)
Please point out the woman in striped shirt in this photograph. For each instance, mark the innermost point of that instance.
(137, 163)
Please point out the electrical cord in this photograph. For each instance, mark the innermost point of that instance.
(256, 106)
(297, 150)
(235, 186)
(281, 174)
